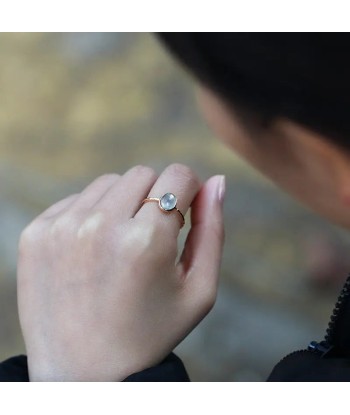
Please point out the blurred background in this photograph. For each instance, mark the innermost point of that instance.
(76, 105)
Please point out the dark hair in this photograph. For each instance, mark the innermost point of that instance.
(304, 77)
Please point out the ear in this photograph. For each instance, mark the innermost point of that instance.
(332, 156)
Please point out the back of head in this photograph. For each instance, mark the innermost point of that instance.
(300, 76)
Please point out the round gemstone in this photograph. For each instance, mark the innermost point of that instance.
(168, 201)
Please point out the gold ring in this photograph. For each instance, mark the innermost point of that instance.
(167, 203)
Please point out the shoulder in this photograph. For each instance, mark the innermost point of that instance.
(306, 366)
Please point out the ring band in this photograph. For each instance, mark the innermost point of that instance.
(167, 203)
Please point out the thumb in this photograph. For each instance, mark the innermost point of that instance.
(201, 258)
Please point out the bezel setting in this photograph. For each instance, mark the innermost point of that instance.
(168, 202)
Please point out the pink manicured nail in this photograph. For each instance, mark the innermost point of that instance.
(221, 188)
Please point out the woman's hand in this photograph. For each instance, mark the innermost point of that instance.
(99, 293)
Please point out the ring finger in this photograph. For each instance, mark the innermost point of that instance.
(184, 184)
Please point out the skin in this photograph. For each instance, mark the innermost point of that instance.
(100, 294)
(98, 286)
(303, 163)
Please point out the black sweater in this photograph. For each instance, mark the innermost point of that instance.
(328, 360)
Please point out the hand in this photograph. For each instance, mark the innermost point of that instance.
(100, 295)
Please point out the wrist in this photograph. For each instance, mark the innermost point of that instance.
(40, 372)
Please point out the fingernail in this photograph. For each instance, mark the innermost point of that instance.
(221, 188)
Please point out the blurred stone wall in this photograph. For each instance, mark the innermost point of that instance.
(76, 105)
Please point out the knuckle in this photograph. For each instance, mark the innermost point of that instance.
(185, 172)
(138, 239)
(92, 225)
(107, 177)
(30, 234)
(103, 179)
(64, 224)
(141, 244)
(144, 170)
(26, 236)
